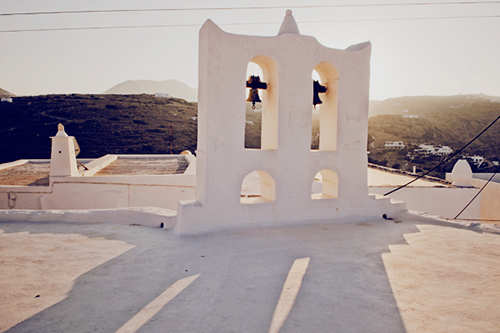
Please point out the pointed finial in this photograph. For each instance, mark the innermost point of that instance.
(289, 26)
(60, 130)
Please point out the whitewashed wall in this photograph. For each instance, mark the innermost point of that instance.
(442, 201)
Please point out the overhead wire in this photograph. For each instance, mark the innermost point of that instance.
(96, 11)
(99, 11)
(446, 159)
(245, 23)
(477, 194)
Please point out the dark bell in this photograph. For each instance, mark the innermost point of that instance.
(317, 88)
(254, 84)
(316, 99)
(253, 97)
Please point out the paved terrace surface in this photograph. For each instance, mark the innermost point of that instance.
(28, 174)
(145, 166)
(411, 274)
(37, 174)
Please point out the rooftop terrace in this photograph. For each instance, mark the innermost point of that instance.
(410, 274)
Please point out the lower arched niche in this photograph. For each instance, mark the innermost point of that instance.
(325, 185)
(258, 187)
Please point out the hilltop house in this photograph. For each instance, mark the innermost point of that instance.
(433, 150)
(394, 145)
(476, 160)
(162, 95)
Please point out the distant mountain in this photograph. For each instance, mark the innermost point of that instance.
(419, 105)
(5, 93)
(172, 87)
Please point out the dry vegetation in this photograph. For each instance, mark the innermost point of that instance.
(449, 121)
(144, 124)
(102, 124)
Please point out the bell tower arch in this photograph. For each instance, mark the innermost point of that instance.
(269, 100)
(285, 163)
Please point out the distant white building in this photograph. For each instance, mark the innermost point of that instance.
(425, 149)
(411, 116)
(444, 150)
(394, 145)
(7, 99)
(476, 160)
(163, 95)
(432, 150)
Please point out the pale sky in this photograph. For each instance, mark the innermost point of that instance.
(409, 57)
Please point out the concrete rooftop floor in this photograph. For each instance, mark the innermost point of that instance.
(411, 274)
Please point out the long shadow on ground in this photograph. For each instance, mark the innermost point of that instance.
(345, 288)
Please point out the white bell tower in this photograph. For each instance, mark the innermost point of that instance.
(286, 164)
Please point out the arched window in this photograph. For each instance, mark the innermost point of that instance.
(324, 115)
(315, 117)
(261, 123)
(258, 187)
(325, 185)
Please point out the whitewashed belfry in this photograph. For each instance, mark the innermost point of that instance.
(285, 163)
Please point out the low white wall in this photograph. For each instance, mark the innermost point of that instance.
(109, 192)
(13, 164)
(478, 175)
(145, 216)
(490, 199)
(486, 176)
(442, 201)
(103, 192)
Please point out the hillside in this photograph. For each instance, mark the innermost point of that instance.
(102, 124)
(5, 93)
(173, 87)
(451, 121)
(140, 124)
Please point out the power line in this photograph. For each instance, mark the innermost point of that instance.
(249, 23)
(446, 159)
(477, 194)
(103, 28)
(249, 8)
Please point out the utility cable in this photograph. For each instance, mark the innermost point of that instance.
(249, 23)
(482, 188)
(446, 159)
(99, 11)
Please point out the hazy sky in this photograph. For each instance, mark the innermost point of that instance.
(409, 57)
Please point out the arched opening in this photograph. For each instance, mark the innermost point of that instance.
(257, 187)
(324, 115)
(253, 115)
(315, 117)
(325, 185)
(261, 122)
